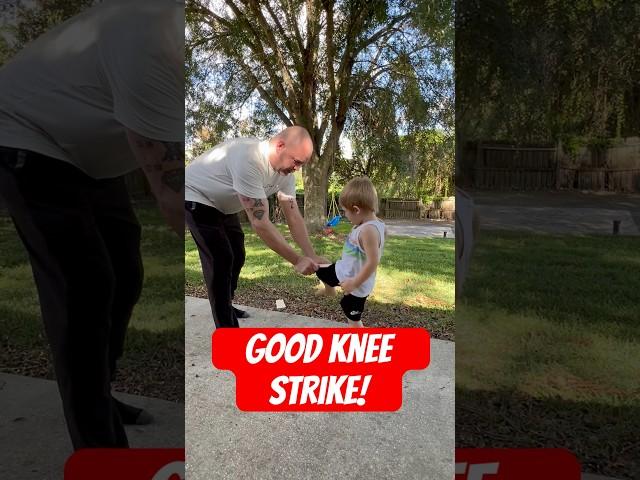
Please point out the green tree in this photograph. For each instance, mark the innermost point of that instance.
(5, 50)
(535, 71)
(329, 65)
(35, 18)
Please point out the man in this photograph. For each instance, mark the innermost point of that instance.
(241, 174)
(94, 98)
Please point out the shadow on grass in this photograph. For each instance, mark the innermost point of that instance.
(604, 438)
(571, 314)
(153, 363)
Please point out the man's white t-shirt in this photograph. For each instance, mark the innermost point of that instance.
(70, 93)
(236, 166)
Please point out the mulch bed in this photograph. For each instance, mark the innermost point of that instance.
(158, 374)
(440, 324)
(604, 439)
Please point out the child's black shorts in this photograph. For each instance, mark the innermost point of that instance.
(352, 306)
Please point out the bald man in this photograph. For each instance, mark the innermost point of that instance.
(87, 102)
(241, 174)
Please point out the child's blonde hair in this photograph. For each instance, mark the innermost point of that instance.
(359, 192)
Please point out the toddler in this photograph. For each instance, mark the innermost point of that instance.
(355, 272)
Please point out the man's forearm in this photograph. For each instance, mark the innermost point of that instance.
(163, 165)
(299, 233)
(276, 242)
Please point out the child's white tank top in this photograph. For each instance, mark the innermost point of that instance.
(354, 258)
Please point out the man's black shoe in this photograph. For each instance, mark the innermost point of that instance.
(131, 415)
(240, 313)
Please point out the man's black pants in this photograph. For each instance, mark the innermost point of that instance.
(220, 242)
(83, 241)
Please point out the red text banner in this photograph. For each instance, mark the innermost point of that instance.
(521, 464)
(126, 464)
(320, 369)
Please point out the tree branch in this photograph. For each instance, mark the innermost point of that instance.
(284, 69)
(287, 40)
(259, 51)
(263, 93)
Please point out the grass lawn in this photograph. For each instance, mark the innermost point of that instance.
(414, 285)
(548, 350)
(153, 363)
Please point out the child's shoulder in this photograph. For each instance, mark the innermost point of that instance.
(372, 229)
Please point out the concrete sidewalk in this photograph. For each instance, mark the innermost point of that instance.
(414, 443)
(34, 438)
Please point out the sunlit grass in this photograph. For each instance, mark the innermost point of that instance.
(552, 316)
(417, 273)
(161, 305)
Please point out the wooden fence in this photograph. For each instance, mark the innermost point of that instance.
(399, 208)
(389, 208)
(503, 167)
(599, 179)
(508, 167)
(403, 209)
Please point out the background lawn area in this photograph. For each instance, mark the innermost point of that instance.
(414, 286)
(548, 350)
(153, 363)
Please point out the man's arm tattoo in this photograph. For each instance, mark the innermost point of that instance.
(174, 153)
(174, 179)
(253, 206)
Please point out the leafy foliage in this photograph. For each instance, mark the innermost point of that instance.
(418, 165)
(536, 71)
(370, 69)
(34, 19)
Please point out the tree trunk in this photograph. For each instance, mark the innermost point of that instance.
(315, 180)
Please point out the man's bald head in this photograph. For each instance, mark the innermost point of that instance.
(290, 149)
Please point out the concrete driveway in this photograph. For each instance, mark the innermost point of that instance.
(416, 442)
(559, 212)
(33, 434)
(420, 228)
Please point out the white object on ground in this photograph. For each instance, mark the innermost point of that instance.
(280, 304)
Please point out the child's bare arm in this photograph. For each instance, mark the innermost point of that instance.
(370, 241)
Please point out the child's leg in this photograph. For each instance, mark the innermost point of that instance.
(328, 290)
(327, 274)
(353, 307)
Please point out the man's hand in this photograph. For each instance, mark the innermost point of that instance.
(306, 266)
(348, 286)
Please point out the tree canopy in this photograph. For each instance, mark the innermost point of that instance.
(375, 70)
(537, 71)
(33, 19)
